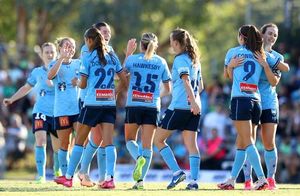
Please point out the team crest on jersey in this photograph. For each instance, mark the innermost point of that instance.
(42, 92)
(105, 95)
(64, 121)
(248, 88)
(62, 86)
(142, 97)
(38, 124)
(77, 72)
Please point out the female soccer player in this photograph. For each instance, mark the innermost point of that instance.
(184, 111)
(270, 108)
(95, 138)
(245, 99)
(43, 121)
(98, 72)
(66, 109)
(147, 70)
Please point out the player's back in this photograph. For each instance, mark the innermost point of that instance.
(145, 78)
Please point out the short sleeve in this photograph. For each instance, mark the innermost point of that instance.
(116, 61)
(228, 57)
(128, 63)
(272, 60)
(31, 80)
(84, 66)
(166, 75)
(181, 66)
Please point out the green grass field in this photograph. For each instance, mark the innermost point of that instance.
(13, 187)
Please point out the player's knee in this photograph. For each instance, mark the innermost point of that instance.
(269, 145)
(64, 145)
(41, 142)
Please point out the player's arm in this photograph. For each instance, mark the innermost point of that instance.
(131, 47)
(23, 91)
(282, 66)
(123, 84)
(166, 90)
(272, 78)
(54, 70)
(64, 54)
(195, 108)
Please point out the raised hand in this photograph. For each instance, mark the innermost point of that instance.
(131, 46)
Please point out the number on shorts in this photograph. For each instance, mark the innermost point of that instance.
(40, 116)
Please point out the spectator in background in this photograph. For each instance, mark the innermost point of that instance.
(16, 140)
(217, 120)
(213, 152)
(2, 151)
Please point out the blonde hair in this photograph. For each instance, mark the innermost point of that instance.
(149, 42)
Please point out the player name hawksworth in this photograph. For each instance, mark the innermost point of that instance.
(146, 66)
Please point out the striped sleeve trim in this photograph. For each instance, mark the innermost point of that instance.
(166, 81)
(183, 73)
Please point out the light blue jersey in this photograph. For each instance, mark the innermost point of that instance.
(145, 78)
(45, 94)
(267, 92)
(100, 82)
(183, 65)
(66, 95)
(83, 53)
(246, 77)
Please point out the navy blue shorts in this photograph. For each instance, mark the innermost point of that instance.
(245, 108)
(65, 122)
(142, 115)
(180, 120)
(93, 115)
(269, 116)
(41, 122)
(80, 104)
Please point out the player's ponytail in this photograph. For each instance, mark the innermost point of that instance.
(149, 44)
(99, 43)
(188, 44)
(252, 38)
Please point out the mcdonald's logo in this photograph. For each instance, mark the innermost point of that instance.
(38, 124)
(64, 121)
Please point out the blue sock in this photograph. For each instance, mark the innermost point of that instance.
(247, 169)
(40, 160)
(88, 154)
(111, 157)
(253, 157)
(147, 154)
(63, 161)
(239, 159)
(55, 161)
(169, 158)
(101, 161)
(74, 160)
(194, 166)
(133, 149)
(271, 159)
